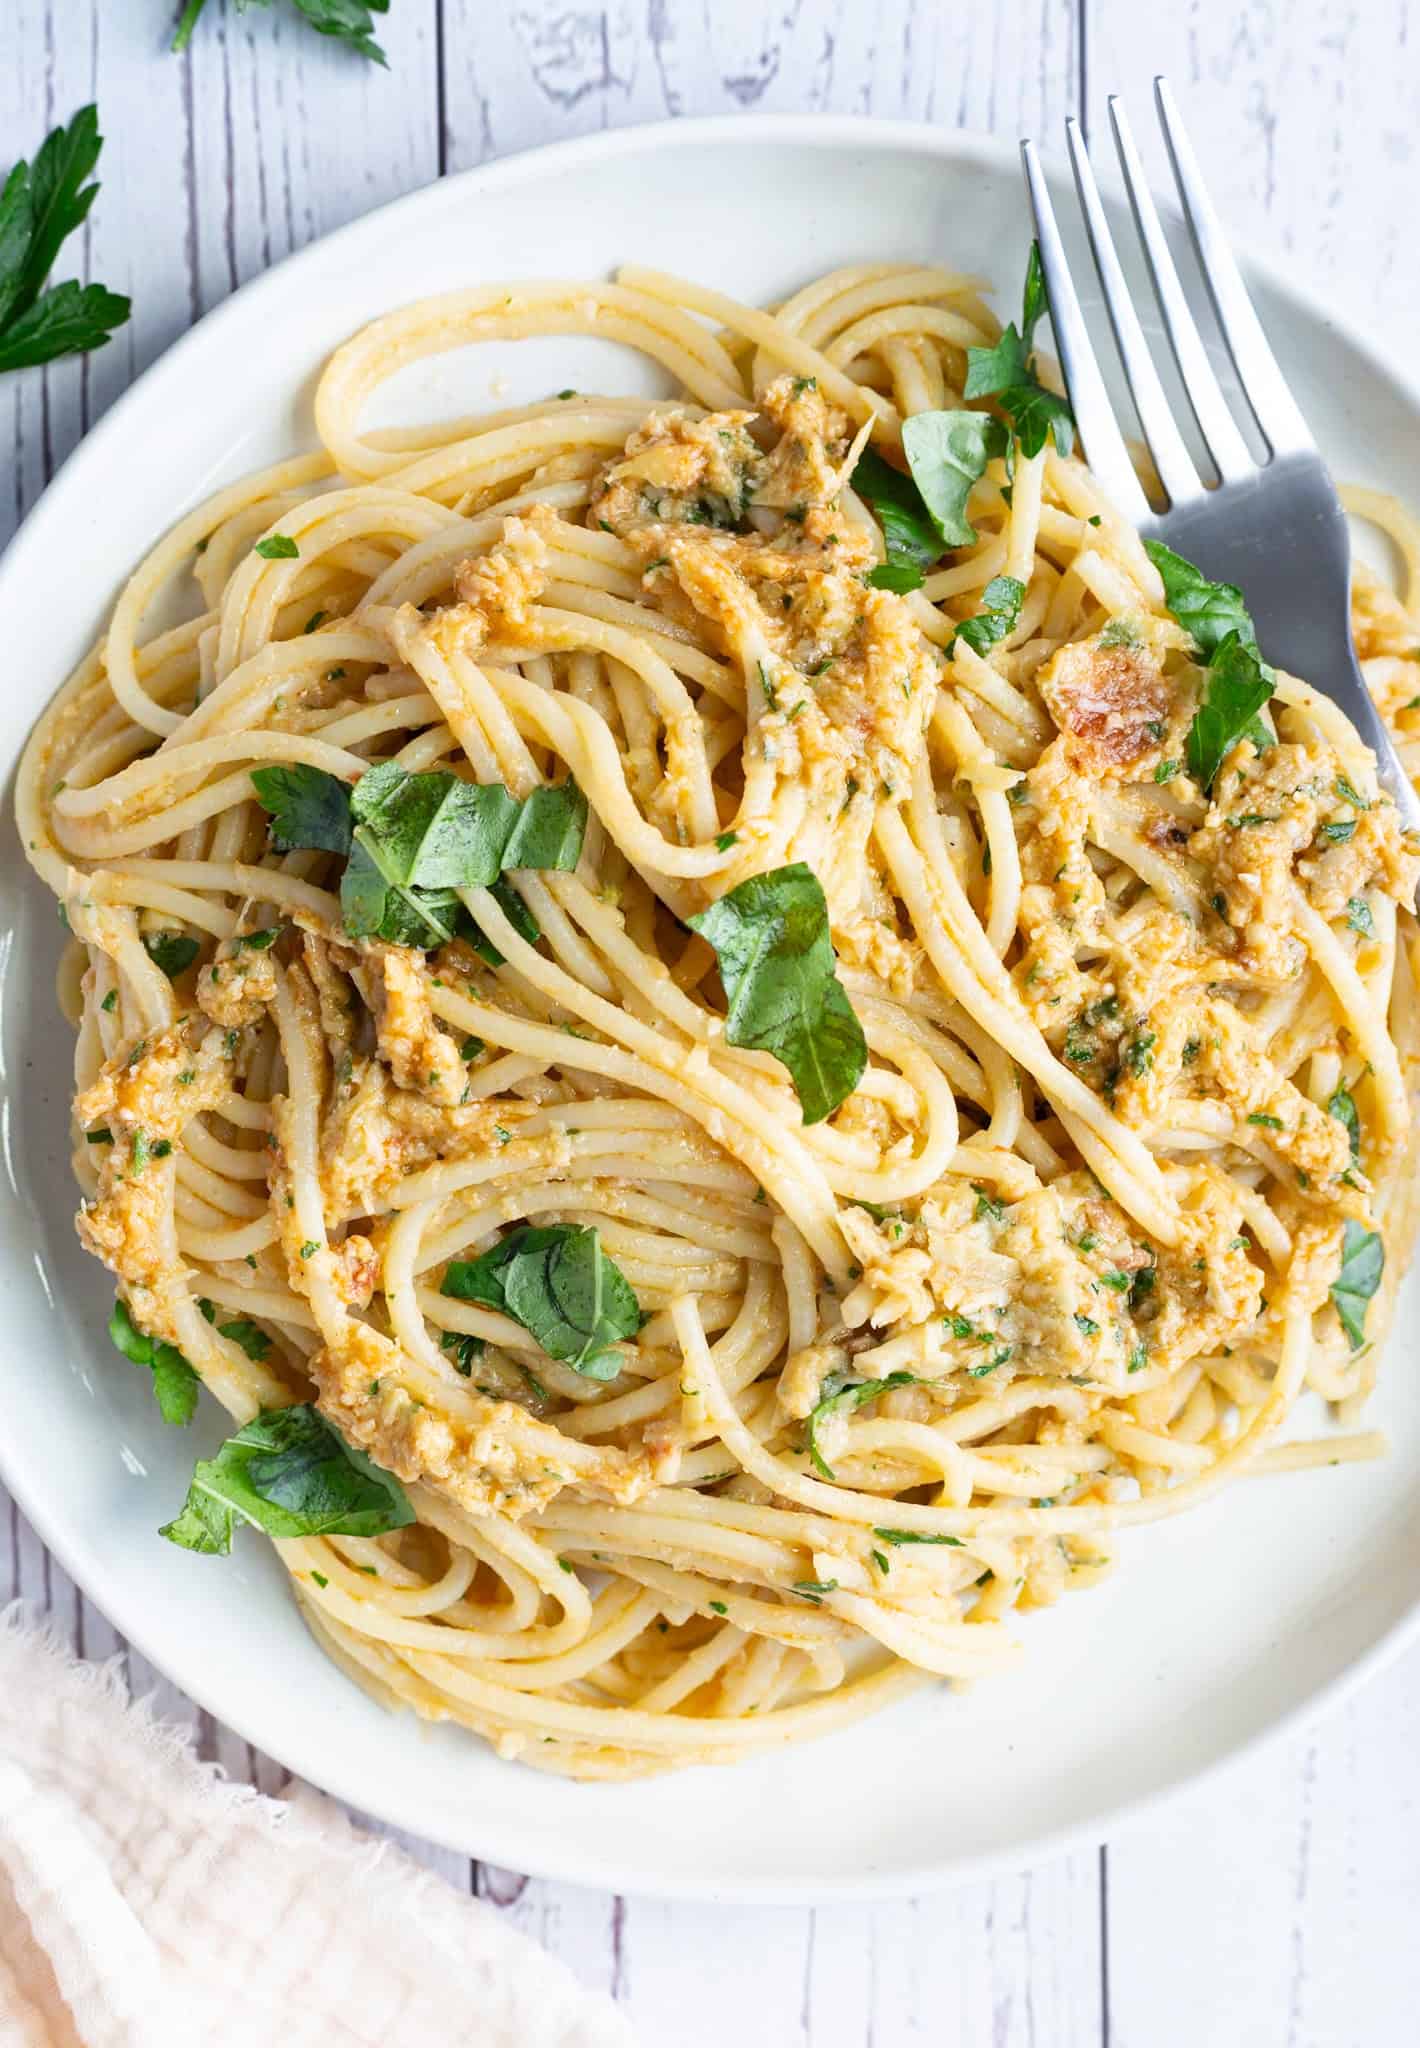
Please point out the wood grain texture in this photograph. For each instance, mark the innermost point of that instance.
(1278, 1905)
(1310, 108)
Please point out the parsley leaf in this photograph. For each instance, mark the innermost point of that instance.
(308, 808)
(1358, 1277)
(909, 535)
(897, 1537)
(771, 938)
(1006, 372)
(175, 1384)
(1208, 611)
(1237, 682)
(947, 453)
(840, 1396)
(41, 204)
(560, 1285)
(291, 1473)
(1359, 918)
(348, 20)
(1000, 610)
(1236, 685)
(277, 547)
(173, 952)
(1342, 1105)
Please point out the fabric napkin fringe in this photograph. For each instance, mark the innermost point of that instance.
(147, 1899)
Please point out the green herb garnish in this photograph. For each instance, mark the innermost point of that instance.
(560, 1285)
(1237, 682)
(291, 1473)
(175, 1384)
(1358, 1277)
(1342, 1105)
(839, 1395)
(347, 20)
(948, 453)
(771, 938)
(909, 536)
(413, 840)
(173, 952)
(998, 616)
(41, 205)
(1006, 372)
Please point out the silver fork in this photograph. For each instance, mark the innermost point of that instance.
(1275, 528)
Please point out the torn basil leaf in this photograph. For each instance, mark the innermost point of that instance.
(910, 536)
(414, 840)
(548, 830)
(374, 905)
(175, 1384)
(431, 831)
(556, 1281)
(947, 453)
(839, 1395)
(771, 938)
(291, 1473)
(518, 915)
(1359, 1275)
(999, 615)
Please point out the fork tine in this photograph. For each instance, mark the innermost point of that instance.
(1264, 386)
(1171, 458)
(1104, 444)
(1225, 444)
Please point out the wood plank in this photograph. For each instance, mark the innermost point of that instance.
(1305, 118)
(540, 71)
(1289, 1889)
(215, 165)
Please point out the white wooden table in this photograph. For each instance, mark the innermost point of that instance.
(1280, 1904)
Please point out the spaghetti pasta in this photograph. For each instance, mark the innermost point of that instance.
(706, 1010)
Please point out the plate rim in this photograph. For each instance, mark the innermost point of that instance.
(825, 133)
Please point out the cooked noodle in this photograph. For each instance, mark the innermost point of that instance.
(1089, 1193)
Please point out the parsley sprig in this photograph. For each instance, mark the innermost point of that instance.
(41, 204)
(1006, 372)
(1237, 682)
(348, 20)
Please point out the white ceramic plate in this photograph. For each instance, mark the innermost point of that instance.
(1218, 1626)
